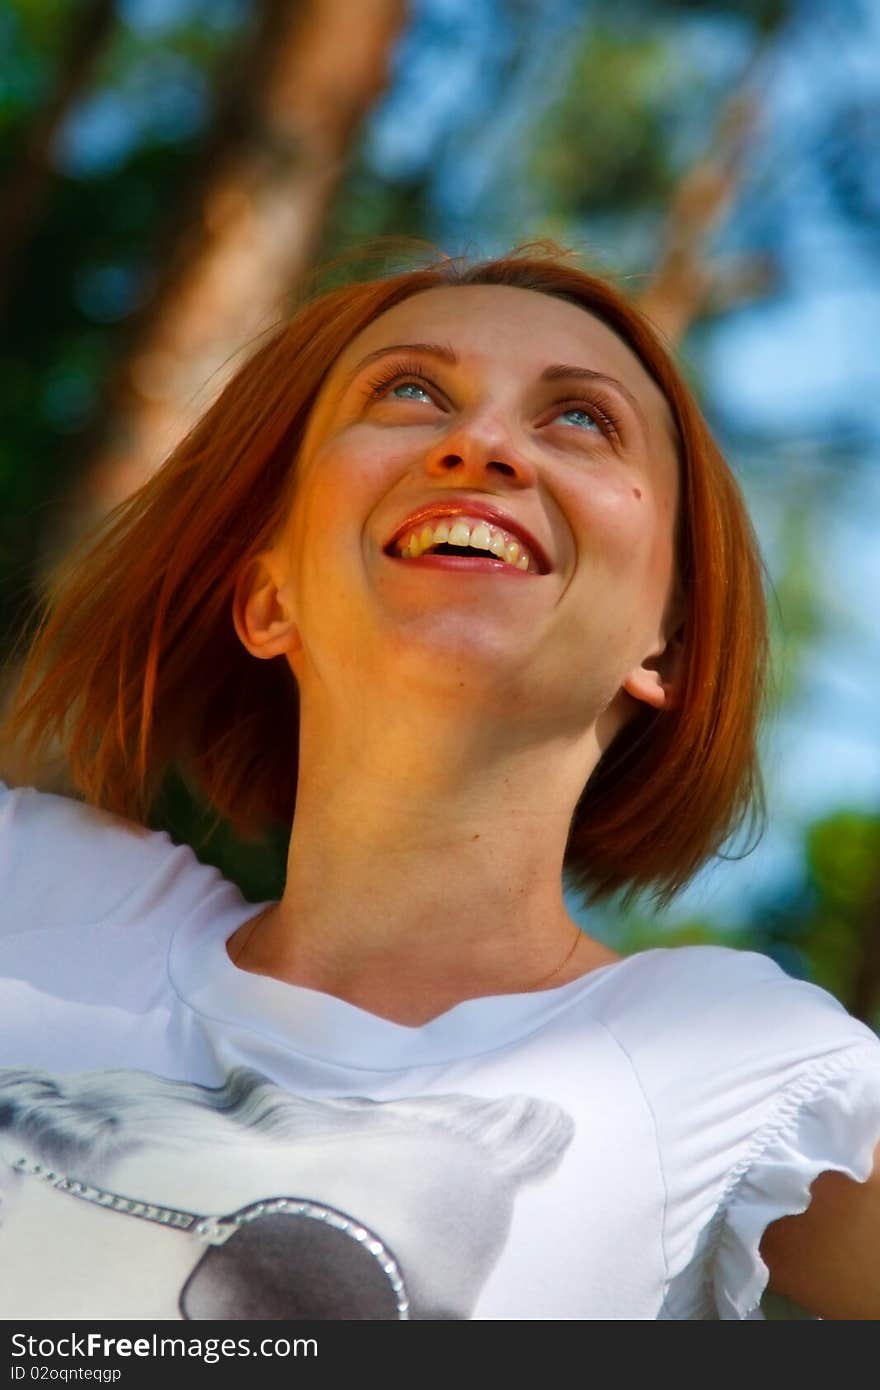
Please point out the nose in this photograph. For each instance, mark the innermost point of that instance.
(481, 449)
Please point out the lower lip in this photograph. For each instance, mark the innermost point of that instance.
(476, 565)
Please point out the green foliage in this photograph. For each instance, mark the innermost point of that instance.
(258, 868)
(778, 1309)
(642, 98)
(816, 925)
(606, 143)
(369, 206)
(843, 865)
(843, 854)
(637, 928)
(797, 615)
(93, 254)
(33, 34)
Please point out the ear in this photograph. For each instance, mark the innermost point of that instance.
(261, 610)
(656, 681)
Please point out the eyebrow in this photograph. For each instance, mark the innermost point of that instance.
(556, 372)
(440, 350)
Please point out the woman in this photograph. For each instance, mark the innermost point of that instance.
(453, 579)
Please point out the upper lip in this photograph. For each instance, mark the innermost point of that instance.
(471, 506)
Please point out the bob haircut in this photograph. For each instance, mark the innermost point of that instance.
(136, 666)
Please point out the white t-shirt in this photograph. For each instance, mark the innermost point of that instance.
(611, 1148)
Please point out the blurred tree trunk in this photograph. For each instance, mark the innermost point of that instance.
(315, 72)
(28, 179)
(686, 281)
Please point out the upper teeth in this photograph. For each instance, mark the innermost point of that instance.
(465, 530)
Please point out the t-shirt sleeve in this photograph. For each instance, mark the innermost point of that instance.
(64, 863)
(757, 1083)
(828, 1119)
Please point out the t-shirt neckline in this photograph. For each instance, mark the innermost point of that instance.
(312, 1023)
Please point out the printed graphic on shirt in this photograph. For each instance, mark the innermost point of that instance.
(128, 1195)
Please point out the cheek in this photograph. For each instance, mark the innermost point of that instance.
(622, 524)
(627, 540)
(335, 494)
(346, 478)
(338, 490)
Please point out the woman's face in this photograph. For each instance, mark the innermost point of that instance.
(583, 459)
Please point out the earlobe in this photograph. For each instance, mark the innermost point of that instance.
(656, 682)
(260, 616)
(649, 687)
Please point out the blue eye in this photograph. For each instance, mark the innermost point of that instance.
(408, 386)
(585, 414)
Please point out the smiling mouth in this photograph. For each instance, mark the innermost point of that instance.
(464, 543)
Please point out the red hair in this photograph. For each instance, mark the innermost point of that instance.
(136, 667)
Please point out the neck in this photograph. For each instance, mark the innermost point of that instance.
(423, 872)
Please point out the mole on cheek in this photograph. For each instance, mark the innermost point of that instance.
(637, 493)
